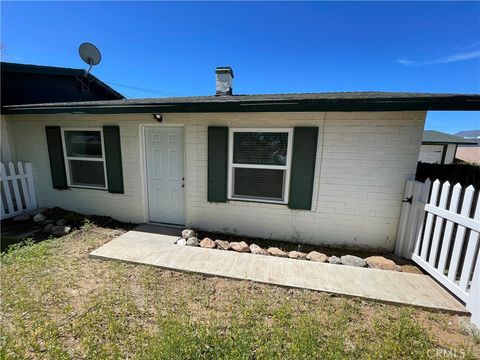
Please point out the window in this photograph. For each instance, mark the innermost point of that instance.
(260, 164)
(84, 157)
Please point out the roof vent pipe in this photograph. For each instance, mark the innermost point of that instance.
(224, 80)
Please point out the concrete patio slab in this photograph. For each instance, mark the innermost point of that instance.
(155, 245)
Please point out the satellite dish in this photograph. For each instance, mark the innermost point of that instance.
(90, 54)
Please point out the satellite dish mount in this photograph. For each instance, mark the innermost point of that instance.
(90, 54)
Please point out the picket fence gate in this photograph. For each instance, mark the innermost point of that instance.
(17, 189)
(439, 230)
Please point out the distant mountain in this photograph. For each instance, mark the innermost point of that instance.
(469, 134)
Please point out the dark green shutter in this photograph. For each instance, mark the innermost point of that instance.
(55, 154)
(113, 158)
(217, 163)
(303, 167)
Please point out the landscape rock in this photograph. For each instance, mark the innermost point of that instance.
(48, 221)
(38, 211)
(334, 260)
(297, 255)
(255, 249)
(207, 243)
(39, 218)
(352, 260)
(48, 228)
(222, 244)
(192, 241)
(316, 256)
(22, 217)
(275, 251)
(240, 246)
(187, 233)
(181, 241)
(61, 222)
(60, 230)
(379, 262)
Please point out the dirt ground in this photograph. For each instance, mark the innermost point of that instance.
(13, 230)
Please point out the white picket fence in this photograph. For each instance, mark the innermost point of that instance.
(439, 230)
(17, 189)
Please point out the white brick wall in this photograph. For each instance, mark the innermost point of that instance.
(7, 152)
(29, 138)
(363, 160)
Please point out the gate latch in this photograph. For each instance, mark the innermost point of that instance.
(408, 200)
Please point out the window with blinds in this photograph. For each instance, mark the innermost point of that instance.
(260, 164)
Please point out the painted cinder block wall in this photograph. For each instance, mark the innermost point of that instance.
(363, 160)
(7, 150)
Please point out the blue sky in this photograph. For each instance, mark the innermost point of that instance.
(173, 48)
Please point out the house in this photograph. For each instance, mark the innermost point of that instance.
(34, 84)
(440, 148)
(322, 168)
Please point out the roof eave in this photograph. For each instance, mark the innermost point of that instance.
(448, 143)
(341, 105)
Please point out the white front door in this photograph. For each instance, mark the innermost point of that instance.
(165, 177)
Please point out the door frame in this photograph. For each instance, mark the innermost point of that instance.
(143, 171)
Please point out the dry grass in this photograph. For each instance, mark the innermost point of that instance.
(58, 303)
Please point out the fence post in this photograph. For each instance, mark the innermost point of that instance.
(423, 198)
(23, 181)
(400, 244)
(413, 219)
(473, 302)
(16, 191)
(31, 185)
(6, 188)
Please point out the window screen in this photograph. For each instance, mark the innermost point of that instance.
(84, 158)
(260, 183)
(260, 148)
(89, 173)
(83, 143)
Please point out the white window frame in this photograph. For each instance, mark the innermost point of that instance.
(286, 167)
(67, 158)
